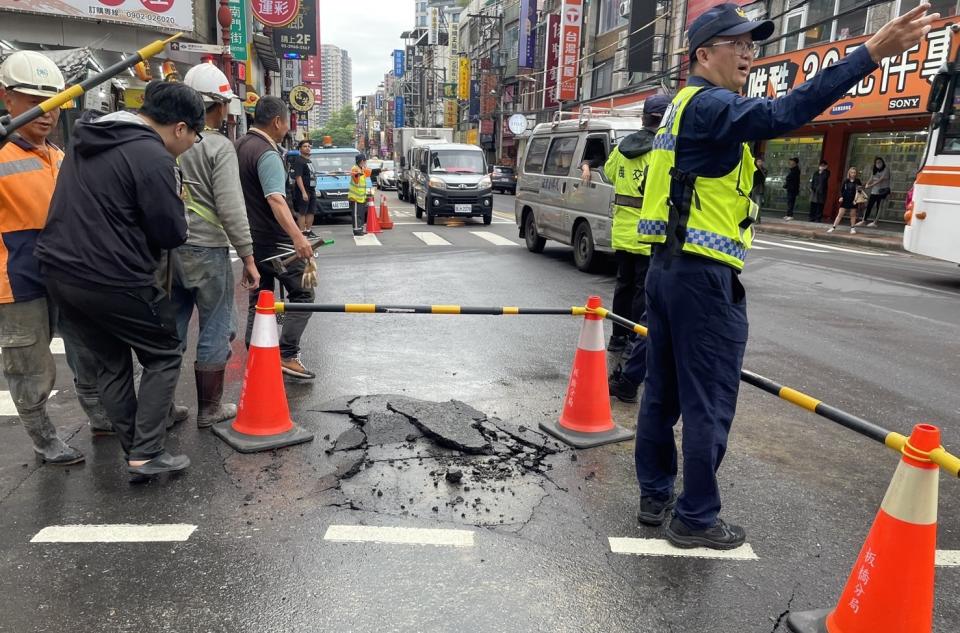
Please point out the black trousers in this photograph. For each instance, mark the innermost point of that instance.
(875, 200)
(294, 323)
(629, 296)
(816, 211)
(112, 323)
(791, 201)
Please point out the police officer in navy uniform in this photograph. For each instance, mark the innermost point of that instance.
(698, 214)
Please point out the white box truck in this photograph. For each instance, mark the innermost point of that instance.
(404, 140)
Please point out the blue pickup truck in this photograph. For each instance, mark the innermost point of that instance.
(332, 169)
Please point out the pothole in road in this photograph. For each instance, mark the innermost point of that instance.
(440, 460)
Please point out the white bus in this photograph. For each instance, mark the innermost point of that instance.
(933, 216)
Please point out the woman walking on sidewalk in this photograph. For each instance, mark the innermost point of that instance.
(879, 185)
(849, 191)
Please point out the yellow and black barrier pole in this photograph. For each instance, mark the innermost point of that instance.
(949, 463)
(10, 125)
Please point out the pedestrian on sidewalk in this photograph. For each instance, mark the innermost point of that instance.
(792, 184)
(879, 187)
(851, 195)
(305, 189)
(273, 228)
(357, 194)
(626, 169)
(29, 166)
(116, 206)
(819, 183)
(217, 218)
(700, 223)
(759, 182)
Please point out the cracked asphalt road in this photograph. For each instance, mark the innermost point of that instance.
(806, 490)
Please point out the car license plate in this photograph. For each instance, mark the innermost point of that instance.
(462, 208)
(340, 204)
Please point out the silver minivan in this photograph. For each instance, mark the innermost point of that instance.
(553, 201)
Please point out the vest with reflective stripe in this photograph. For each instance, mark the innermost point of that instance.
(717, 206)
(358, 185)
(627, 176)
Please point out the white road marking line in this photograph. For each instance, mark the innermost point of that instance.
(759, 248)
(661, 547)
(117, 533)
(234, 259)
(430, 239)
(948, 558)
(398, 535)
(369, 239)
(495, 239)
(7, 408)
(841, 249)
(796, 248)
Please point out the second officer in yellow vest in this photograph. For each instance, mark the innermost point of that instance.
(697, 213)
(357, 194)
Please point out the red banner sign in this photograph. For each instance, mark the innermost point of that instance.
(276, 13)
(571, 22)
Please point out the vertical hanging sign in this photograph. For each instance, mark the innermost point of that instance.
(398, 111)
(571, 21)
(528, 36)
(238, 29)
(432, 34)
(551, 66)
(453, 38)
(463, 81)
(398, 63)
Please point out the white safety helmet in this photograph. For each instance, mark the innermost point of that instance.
(31, 73)
(210, 82)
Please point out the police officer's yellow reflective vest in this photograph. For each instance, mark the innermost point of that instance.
(358, 185)
(204, 212)
(627, 175)
(717, 210)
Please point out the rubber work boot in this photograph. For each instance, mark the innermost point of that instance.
(653, 511)
(209, 393)
(719, 536)
(99, 421)
(618, 343)
(162, 463)
(623, 388)
(177, 415)
(50, 449)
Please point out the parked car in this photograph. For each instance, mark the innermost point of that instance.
(387, 179)
(553, 202)
(504, 179)
(374, 165)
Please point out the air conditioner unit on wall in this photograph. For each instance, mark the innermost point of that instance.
(624, 8)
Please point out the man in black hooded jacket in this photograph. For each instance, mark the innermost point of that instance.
(116, 206)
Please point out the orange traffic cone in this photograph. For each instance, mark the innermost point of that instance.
(586, 420)
(263, 418)
(385, 220)
(891, 586)
(373, 224)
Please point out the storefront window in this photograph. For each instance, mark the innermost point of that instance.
(901, 151)
(945, 8)
(816, 15)
(778, 151)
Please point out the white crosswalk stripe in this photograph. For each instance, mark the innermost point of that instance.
(493, 238)
(431, 239)
(791, 247)
(366, 240)
(661, 547)
(7, 408)
(399, 535)
(842, 250)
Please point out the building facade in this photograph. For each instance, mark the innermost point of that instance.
(337, 85)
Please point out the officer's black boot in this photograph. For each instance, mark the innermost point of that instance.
(719, 536)
(623, 388)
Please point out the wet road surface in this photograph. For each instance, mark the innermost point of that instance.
(372, 527)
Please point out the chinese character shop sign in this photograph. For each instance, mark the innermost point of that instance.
(275, 13)
(238, 29)
(298, 39)
(900, 86)
(175, 15)
(571, 21)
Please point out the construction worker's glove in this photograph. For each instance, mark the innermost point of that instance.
(309, 279)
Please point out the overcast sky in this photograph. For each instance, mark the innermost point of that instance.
(369, 30)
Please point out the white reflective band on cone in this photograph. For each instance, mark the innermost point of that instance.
(912, 495)
(591, 336)
(264, 331)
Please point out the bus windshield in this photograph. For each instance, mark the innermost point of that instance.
(456, 162)
(333, 162)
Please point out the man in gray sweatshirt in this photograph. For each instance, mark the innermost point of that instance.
(217, 218)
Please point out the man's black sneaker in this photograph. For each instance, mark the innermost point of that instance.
(622, 388)
(653, 511)
(720, 536)
(617, 343)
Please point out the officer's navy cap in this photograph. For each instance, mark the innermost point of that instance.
(657, 104)
(725, 20)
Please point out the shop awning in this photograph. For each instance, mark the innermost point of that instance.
(263, 45)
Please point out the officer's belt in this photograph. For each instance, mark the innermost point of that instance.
(628, 201)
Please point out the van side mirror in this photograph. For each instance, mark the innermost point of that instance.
(403, 162)
(938, 90)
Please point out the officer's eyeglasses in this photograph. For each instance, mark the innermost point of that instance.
(742, 47)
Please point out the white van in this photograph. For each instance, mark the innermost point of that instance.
(552, 200)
